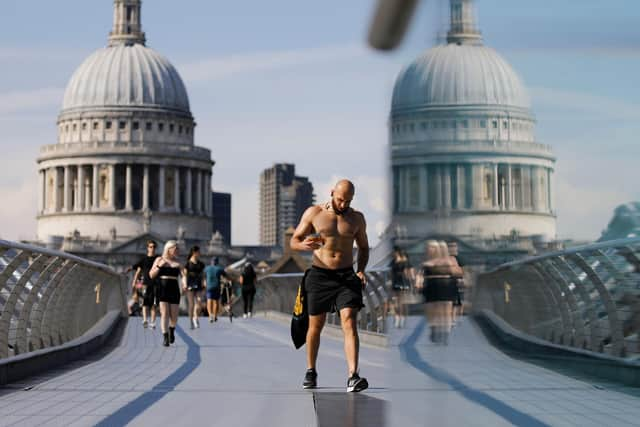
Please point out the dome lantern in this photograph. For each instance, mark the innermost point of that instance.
(463, 27)
(127, 27)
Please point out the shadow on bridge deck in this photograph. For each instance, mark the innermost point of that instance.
(246, 373)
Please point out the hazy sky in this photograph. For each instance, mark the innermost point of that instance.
(293, 81)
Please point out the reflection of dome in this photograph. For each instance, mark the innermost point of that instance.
(126, 76)
(465, 158)
(464, 74)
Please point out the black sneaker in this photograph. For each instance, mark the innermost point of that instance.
(356, 384)
(172, 335)
(165, 341)
(310, 379)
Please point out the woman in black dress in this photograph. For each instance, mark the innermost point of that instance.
(440, 279)
(166, 270)
(193, 286)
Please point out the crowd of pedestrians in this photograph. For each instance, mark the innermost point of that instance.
(160, 282)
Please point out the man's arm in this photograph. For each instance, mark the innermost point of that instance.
(299, 240)
(362, 242)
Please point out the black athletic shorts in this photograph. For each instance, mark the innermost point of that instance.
(332, 290)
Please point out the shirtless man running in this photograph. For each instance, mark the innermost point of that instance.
(331, 284)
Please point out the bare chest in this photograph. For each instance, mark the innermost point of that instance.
(328, 224)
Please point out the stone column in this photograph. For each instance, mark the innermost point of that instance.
(128, 205)
(207, 193)
(198, 209)
(509, 204)
(112, 186)
(423, 199)
(437, 186)
(550, 201)
(476, 188)
(41, 192)
(535, 189)
(79, 205)
(55, 189)
(96, 187)
(188, 187)
(66, 191)
(161, 182)
(461, 183)
(145, 188)
(176, 189)
(86, 186)
(446, 186)
(496, 185)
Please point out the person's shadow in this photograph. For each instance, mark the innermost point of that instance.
(349, 409)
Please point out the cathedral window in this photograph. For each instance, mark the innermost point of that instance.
(107, 124)
(149, 125)
(505, 124)
(483, 124)
(75, 126)
(171, 127)
(66, 128)
(494, 124)
(160, 127)
(84, 126)
(188, 130)
(122, 125)
(135, 125)
(180, 129)
(423, 125)
(465, 124)
(95, 125)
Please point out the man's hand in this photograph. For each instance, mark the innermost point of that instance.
(363, 278)
(311, 244)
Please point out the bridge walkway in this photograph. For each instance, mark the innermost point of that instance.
(246, 373)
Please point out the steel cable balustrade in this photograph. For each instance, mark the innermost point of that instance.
(278, 292)
(586, 297)
(48, 298)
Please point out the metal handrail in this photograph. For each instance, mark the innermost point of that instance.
(586, 296)
(48, 297)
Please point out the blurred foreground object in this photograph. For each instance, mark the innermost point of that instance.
(390, 23)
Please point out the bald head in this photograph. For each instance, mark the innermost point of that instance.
(341, 196)
(344, 185)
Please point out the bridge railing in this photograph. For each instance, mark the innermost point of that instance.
(48, 298)
(586, 297)
(278, 292)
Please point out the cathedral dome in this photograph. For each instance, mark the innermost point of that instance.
(126, 76)
(456, 75)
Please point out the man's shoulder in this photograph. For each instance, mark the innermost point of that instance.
(357, 214)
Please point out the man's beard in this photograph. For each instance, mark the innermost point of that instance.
(336, 210)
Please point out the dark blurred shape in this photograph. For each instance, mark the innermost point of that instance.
(390, 23)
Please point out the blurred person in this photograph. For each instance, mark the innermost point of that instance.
(399, 285)
(459, 300)
(331, 283)
(453, 284)
(214, 274)
(193, 285)
(248, 280)
(438, 272)
(167, 270)
(147, 291)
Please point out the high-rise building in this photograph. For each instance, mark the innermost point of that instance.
(221, 203)
(283, 199)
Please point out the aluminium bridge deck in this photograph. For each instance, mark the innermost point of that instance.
(247, 374)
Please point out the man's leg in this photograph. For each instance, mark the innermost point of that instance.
(316, 323)
(348, 319)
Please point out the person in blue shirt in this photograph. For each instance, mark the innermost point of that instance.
(214, 274)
